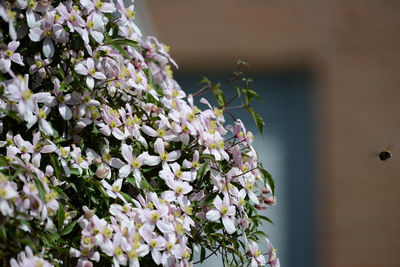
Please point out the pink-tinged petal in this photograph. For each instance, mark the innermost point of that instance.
(187, 188)
(48, 48)
(35, 34)
(174, 155)
(13, 45)
(48, 21)
(17, 59)
(127, 153)
(228, 224)
(108, 8)
(242, 193)
(253, 262)
(156, 255)
(158, 145)
(36, 159)
(45, 127)
(169, 195)
(165, 227)
(87, 4)
(151, 160)
(36, 138)
(90, 63)
(107, 247)
(117, 163)
(217, 202)
(213, 215)
(99, 76)
(74, 253)
(81, 69)
(231, 211)
(90, 82)
(5, 65)
(149, 131)
(216, 154)
(84, 33)
(125, 171)
(48, 148)
(137, 174)
(65, 111)
(253, 197)
(97, 36)
(60, 34)
(106, 130)
(117, 133)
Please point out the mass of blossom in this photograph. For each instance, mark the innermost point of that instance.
(104, 159)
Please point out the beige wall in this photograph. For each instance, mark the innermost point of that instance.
(353, 49)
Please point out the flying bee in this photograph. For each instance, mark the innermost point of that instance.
(385, 154)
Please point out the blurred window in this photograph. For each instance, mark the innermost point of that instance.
(285, 151)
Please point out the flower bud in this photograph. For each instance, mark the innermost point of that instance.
(260, 207)
(102, 171)
(265, 190)
(270, 201)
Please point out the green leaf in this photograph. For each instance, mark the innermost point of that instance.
(146, 185)
(123, 41)
(68, 229)
(219, 95)
(265, 219)
(12, 114)
(3, 161)
(40, 187)
(131, 180)
(257, 118)
(56, 164)
(202, 170)
(202, 254)
(126, 196)
(74, 171)
(60, 216)
(3, 234)
(260, 234)
(250, 94)
(121, 50)
(205, 80)
(269, 178)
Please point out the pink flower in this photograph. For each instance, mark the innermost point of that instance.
(49, 31)
(257, 258)
(223, 210)
(134, 163)
(88, 69)
(156, 243)
(39, 65)
(179, 190)
(114, 190)
(114, 249)
(6, 56)
(40, 116)
(8, 192)
(26, 258)
(272, 258)
(164, 155)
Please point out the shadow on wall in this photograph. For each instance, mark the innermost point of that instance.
(285, 151)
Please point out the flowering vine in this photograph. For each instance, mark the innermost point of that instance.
(104, 159)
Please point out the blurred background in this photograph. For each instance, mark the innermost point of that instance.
(329, 73)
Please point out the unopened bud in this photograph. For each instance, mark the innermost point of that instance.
(260, 207)
(265, 190)
(270, 201)
(102, 172)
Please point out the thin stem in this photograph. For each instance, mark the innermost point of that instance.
(212, 253)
